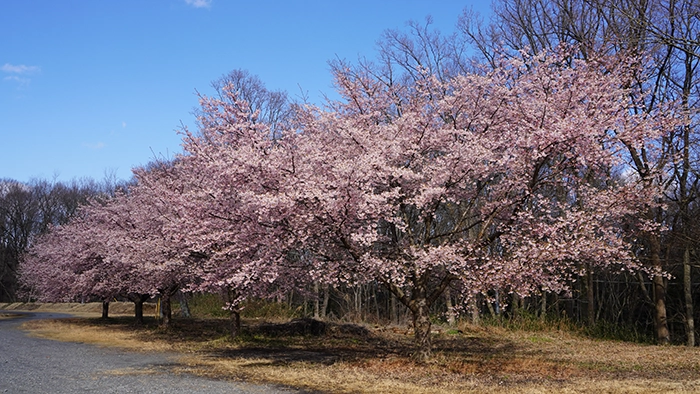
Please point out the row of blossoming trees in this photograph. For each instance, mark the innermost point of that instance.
(517, 179)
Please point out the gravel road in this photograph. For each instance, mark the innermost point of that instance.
(34, 365)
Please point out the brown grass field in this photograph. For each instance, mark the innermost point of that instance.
(374, 359)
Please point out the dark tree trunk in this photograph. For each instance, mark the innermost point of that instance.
(660, 320)
(688, 292)
(138, 300)
(317, 301)
(232, 302)
(166, 309)
(235, 323)
(590, 299)
(105, 309)
(418, 303)
(138, 311)
(543, 306)
(515, 306)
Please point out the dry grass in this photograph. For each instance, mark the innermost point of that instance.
(89, 309)
(69, 330)
(353, 359)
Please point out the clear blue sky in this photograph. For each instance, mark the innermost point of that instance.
(88, 87)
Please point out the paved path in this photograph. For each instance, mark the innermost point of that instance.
(34, 365)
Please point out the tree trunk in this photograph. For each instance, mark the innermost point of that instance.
(235, 324)
(376, 301)
(233, 305)
(165, 310)
(138, 311)
(474, 310)
(418, 303)
(688, 290)
(590, 299)
(326, 298)
(421, 328)
(451, 315)
(105, 309)
(543, 307)
(497, 303)
(492, 311)
(660, 321)
(184, 305)
(515, 306)
(138, 300)
(317, 301)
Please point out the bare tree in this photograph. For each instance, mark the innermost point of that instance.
(272, 106)
(29, 209)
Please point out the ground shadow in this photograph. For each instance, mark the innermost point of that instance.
(307, 340)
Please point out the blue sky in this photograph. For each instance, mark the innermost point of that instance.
(95, 87)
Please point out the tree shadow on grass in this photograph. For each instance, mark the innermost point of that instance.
(311, 341)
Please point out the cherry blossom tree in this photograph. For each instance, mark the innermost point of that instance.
(220, 215)
(177, 228)
(114, 248)
(504, 181)
(139, 223)
(423, 193)
(70, 263)
(663, 36)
